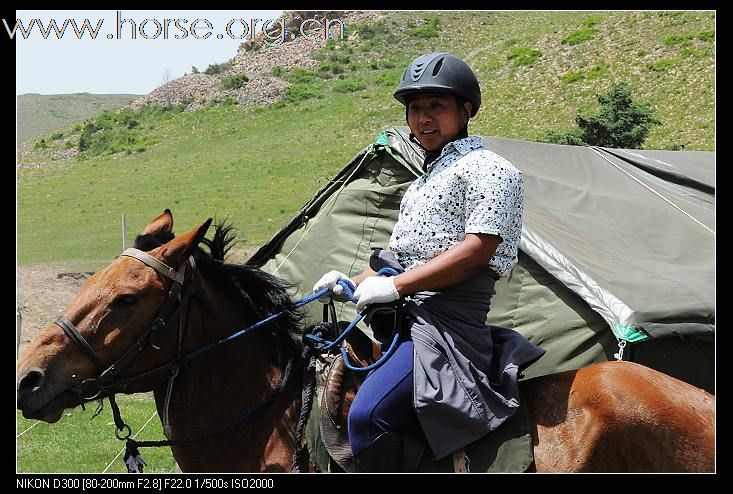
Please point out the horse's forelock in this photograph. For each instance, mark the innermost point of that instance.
(150, 241)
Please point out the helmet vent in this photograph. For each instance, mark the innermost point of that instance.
(417, 70)
(437, 67)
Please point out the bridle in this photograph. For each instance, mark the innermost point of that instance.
(177, 303)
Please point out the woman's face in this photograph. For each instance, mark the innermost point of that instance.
(436, 119)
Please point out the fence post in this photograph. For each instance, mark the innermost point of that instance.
(18, 323)
(124, 236)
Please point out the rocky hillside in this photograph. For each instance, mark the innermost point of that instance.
(259, 61)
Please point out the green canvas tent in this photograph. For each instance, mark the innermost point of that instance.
(617, 249)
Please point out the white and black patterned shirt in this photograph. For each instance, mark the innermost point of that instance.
(467, 189)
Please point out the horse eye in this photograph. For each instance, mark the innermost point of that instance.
(125, 300)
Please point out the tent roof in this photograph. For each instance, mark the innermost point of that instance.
(631, 232)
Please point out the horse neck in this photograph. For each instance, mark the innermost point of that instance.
(218, 387)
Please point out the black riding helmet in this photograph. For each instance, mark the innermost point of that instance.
(440, 72)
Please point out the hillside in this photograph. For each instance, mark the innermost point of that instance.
(255, 148)
(39, 115)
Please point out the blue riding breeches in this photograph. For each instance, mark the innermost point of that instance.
(384, 401)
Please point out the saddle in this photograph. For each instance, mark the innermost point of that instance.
(507, 449)
(339, 388)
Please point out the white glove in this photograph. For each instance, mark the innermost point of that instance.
(330, 280)
(375, 289)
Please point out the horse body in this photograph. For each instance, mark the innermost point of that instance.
(614, 416)
(620, 417)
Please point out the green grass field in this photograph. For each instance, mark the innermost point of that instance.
(76, 443)
(258, 165)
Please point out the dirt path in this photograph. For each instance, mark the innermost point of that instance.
(43, 290)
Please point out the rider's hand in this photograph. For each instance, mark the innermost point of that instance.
(375, 289)
(330, 280)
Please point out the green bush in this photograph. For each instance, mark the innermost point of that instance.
(56, 136)
(523, 56)
(579, 36)
(572, 138)
(596, 72)
(122, 130)
(571, 77)
(428, 29)
(706, 36)
(620, 123)
(371, 31)
(300, 92)
(234, 81)
(301, 76)
(676, 39)
(217, 68)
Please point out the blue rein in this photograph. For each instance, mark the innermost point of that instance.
(314, 340)
(326, 345)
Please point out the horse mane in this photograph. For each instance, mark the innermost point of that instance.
(262, 292)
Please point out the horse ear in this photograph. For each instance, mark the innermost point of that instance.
(162, 222)
(177, 250)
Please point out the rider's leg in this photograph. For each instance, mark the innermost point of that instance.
(382, 407)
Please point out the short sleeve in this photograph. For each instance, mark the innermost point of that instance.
(494, 199)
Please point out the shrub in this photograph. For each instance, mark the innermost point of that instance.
(428, 29)
(571, 77)
(234, 81)
(572, 138)
(300, 92)
(678, 39)
(217, 68)
(706, 36)
(579, 36)
(523, 56)
(621, 123)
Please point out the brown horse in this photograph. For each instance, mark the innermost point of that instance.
(150, 320)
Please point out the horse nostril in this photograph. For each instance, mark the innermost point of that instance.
(30, 382)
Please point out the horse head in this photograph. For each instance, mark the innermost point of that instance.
(117, 316)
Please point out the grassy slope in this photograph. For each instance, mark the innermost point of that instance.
(40, 114)
(257, 166)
